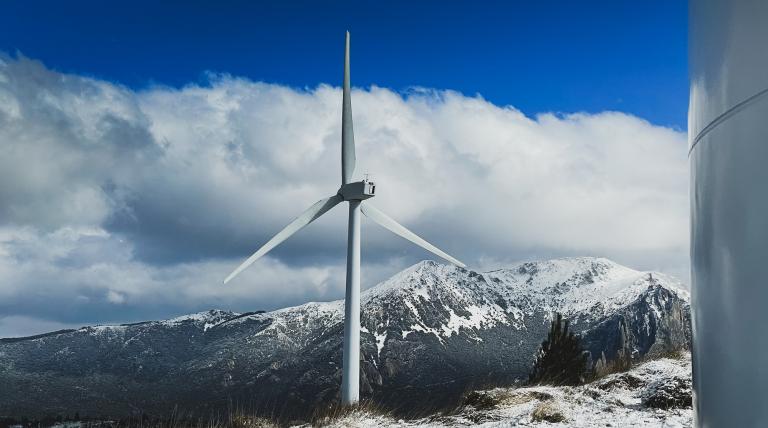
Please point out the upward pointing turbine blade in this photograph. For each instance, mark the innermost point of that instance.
(308, 216)
(347, 135)
(384, 220)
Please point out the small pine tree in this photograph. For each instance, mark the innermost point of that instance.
(561, 359)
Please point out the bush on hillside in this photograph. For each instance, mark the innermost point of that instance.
(561, 359)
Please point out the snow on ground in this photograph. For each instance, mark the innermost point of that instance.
(654, 394)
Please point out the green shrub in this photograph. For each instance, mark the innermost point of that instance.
(561, 359)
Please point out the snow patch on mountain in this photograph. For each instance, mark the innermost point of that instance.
(578, 285)
(206, 319)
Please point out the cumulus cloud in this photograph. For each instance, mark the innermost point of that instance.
(118, 205)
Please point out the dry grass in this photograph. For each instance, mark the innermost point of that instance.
(333, 413)
(547, 411)
(622, 365)
(491, 399)
(619, 365)
(673, 354)
(245, 421)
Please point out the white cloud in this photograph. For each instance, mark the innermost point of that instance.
(115, 297)
(115, 200)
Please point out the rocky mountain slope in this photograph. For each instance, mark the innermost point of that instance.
(429, 333)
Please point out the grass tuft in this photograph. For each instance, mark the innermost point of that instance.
(332, 413)
(547, 412)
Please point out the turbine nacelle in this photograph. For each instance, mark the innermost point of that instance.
(358, 190)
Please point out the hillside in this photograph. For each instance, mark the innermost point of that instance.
(653, 394)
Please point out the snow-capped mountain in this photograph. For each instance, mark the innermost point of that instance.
(429, 333)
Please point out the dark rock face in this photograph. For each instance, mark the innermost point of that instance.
(429, 334)
(653, 325)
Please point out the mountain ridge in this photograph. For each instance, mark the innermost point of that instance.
(430, 324)
(398, 281)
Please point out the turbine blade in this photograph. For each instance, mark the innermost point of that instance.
(384, 220)
(347, 135)
(308, 216)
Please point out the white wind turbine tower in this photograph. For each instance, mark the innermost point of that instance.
(354, 193)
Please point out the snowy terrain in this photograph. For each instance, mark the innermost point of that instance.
(654, 394)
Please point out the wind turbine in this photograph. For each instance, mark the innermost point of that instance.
(354, 192)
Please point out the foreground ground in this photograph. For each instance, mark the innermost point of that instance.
(654, 394)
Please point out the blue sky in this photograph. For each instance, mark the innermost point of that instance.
(147, 149)
(561, 56)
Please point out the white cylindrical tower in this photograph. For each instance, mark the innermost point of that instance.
(350, 381)
(728, 135)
